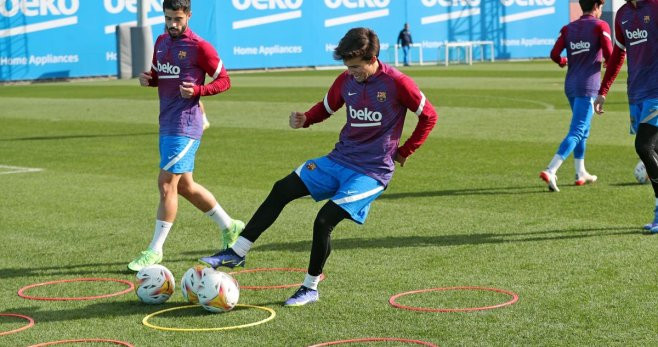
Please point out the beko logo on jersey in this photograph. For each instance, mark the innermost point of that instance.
(33, 8)
(334, 4)
(579, 45)
(637, 34)
(527, 3)
(243, 5)
(449, 3)
(168, 69)
(365, 114)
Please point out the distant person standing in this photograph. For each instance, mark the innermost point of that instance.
(405, 40)
(181, 60)
(587, 41)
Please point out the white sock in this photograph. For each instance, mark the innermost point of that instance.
(579, 165)
(160, 235)
(554, 164)
(220, 217)
(311, 282)
(241, 246)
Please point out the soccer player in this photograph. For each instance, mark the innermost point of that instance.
(586, 40)
(636, 36)
(359, 168)
(181, 59)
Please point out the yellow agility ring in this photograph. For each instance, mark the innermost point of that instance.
(146, 322)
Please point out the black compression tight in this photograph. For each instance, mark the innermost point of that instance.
(645, 146)
(329, 216)
(284, 191)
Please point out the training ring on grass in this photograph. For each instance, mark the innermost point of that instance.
(116, 342)
(21, 292)
(30, 323)
(322, 277)
(145, 320)
(515, 298)
(374, 339)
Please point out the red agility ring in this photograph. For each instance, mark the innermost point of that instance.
(116, 342)
(515, 298)
(374, 339)
(21, 292)
(30, 323)
(322, 277)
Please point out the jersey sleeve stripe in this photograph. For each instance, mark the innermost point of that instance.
(607, 35)
(219, 70)
(623, 48)
(326, 104)
(421, 106)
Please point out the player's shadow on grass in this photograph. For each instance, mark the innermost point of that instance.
(442, 240)
(81, 136)
(536, 189)
(77, 270)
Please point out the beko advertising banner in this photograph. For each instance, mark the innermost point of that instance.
(41, 39)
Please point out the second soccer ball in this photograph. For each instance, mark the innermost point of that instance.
(218, 291)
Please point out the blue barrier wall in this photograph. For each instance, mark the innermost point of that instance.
(74, 38)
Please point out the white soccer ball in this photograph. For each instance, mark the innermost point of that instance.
(155, 284)
(189, 284)
(640, 173)
(219, 291)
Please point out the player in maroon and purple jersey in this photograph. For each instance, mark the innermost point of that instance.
(376, 98)
(181, 60)
(636, 37)
(587, 41)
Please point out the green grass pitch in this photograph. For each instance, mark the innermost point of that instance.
(468, 209)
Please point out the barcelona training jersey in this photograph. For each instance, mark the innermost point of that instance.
(375, 110)
(186, 58)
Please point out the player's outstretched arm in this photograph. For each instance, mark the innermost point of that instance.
(297, 120)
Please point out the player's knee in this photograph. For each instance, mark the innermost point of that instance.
(322, 226)
(280, 191)
(167, 190)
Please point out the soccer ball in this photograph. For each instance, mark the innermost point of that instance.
(155, 284)
(219, 291)
(640, 173)
(189, 284)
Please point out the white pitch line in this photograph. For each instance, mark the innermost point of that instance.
(17, 169)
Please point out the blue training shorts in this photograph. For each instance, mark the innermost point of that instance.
(352, 191)
(177, 153)
(644, 112)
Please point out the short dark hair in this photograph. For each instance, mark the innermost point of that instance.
(358, 42)
(177, 5)
(588, 5)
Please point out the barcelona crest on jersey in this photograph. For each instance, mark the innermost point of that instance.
(182, 55)
(381, 96)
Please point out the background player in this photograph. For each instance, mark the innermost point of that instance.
(361, 165)
(636, 35)
(181, 59)
(585, 39)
